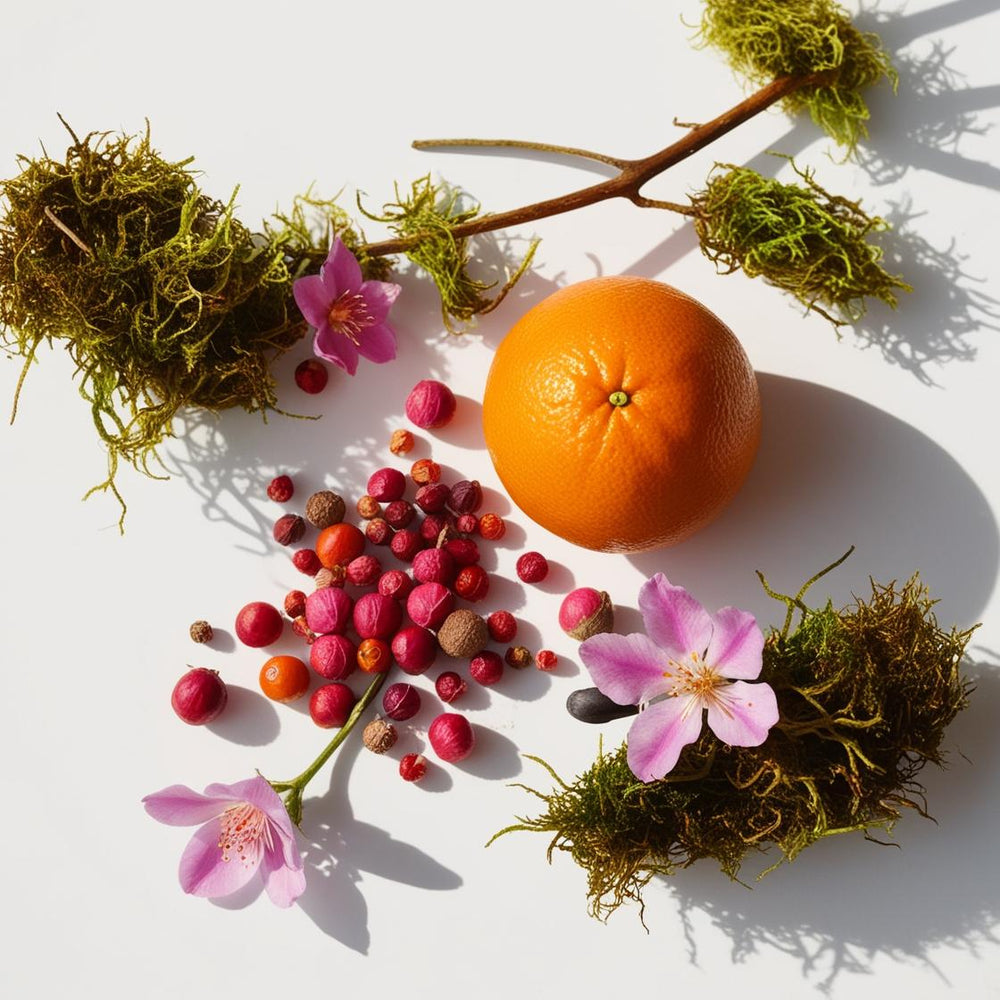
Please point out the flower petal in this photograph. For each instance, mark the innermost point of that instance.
(341, 271)
(377, 343)
(284, 884)
(737, 645)
(202, 871)
(379, 296)
(659, 733)
(179, 805)
(741, 714)
(312, 298)
(335, 348)
(674, 620)
(627, 668)
(256, 791)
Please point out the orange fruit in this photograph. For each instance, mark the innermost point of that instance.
(621, 414)
(338, 544)
(374, 656)
(284, 678)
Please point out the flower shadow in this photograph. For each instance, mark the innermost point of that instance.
(341, 849)
(845, 902)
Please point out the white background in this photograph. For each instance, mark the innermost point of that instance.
(883, 439)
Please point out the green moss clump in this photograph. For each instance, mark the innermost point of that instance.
(431, 211)
(799, 237)
(162, 298)
(864, 696)
(765, 39)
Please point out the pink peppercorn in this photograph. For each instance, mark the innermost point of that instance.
(363, 571)
(328, 610)
(451, 737)
(399, 513)
(401, 702)
(430, 404)
(465, 497)
(432, 526)
(463, 550)
(395, 583)
(330, 705)
(414, 648)
(376, 616)
(545, 659)
(258, 624)
(386, 484)
(467, 523)
(492, 527)
(431, 499)
(295, 603)
(502, 626)
(378, 531)
(288, 529)
(434, 565)
(486, 668)
(311, 376)
(472, 582)
(532, 567)
(306, 561)
(333, 657)
(450, 686)
(412, 766)
(406, 544)
(428, 604)
(280, 489)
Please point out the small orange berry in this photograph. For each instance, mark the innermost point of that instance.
(374, 656)
(425, 471)
(284, 678)
(492, 527)
(338, 544)
(401, 442)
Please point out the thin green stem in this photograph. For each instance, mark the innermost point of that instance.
(296, 786)
(540, 147)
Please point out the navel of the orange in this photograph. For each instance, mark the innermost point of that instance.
(621, 414)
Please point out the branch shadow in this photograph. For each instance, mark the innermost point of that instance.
(833, 470)
(845, 902)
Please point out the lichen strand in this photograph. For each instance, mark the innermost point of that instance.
(799, 237)
(765, 39)
(865, 695)
(432, 211)
(160, 295)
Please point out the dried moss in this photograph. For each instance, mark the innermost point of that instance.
(799, 237)
(865, 695)
(765, 39)
(160, 295)
(431, 211)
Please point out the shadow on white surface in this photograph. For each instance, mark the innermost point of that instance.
(833, 471)
(845, 901)
(249, 719)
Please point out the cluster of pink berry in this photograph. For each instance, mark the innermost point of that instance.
(363, 614)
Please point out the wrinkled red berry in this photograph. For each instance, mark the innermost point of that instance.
(399, 513)
(288, 529)
(378, 531)
(545, 659)
(330, 705)
(451, 737)
(306, 561)
(532, 567)
(376, 616)
(199, 696)
(430, 404)
(432, 526)
(431, 499)
(472, 582)
(502, 626)
(450, 686)
(281, 488)
(406, 544)
(492, 527)
(363, 571)
(295, 603)
(463, 550)
(395, 583)
(386, 484)
(414, 649)
(412, 766)
(401, 702)
(433, 565)
(311, 376)
(486, 668)
(467, 523)
(465, 497)
(258, 624)
(333, 657)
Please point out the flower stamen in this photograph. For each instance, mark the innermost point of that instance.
(349, 315)
(241, 829)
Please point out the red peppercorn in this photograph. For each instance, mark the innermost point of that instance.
(502, 626)
(295, 603)
(412, 766)
(281, 489)
(301, 628)
(406, 544)
(431, 499)
(492, 527)
(378, 531)
(432, 526)
(395, 583)
(330, 705)
(363, 571)
(486, 668)
(414, 648)
(376, 616)
(386, 484)
(451, 737)
(401, 702)
(545, 659)
(434, 565)
(532, 567)
(311, 376)
(258, 624)
(424, 471)
(333, 657)
(288, 529)
(465, 497)
(399, 513)
(472, 582)
(450, 686)
(467, 523)
(199, 696)
(463, 550)
(306, 561)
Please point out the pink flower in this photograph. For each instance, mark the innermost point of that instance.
(688, 661)
(245, 828)
(349, 314)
